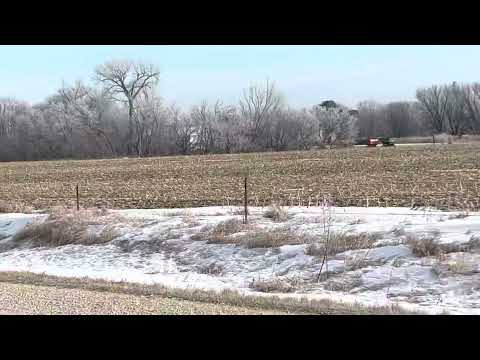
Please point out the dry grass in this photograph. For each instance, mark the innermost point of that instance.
(64, 227)
(253, 238)
(220, 234)
(270, 238)
(343, 283)
(297, 305)
(424, 245)
(15, 207)
(340, 242)
(211, 269)
(428, 245)
(273, 285)
(276, 213)
(469, 246)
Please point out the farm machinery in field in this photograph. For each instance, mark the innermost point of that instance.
(383, 141)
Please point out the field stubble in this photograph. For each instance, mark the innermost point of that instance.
(441, 176)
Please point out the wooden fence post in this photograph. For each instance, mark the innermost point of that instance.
(245, 221)
(78, 198)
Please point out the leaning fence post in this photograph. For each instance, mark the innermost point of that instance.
(78, 198)
(245, 200)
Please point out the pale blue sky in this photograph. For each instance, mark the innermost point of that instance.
(306, 75)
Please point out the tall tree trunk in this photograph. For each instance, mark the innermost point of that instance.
(130, 127)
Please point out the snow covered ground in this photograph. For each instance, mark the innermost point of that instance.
(155, 246)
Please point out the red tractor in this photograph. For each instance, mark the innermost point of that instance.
(372, 142)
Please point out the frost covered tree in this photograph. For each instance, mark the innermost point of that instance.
(257, 106)
(149, 121)
(472, 107)
(434, 101)
(125, 81)
(182, 129)
(335, 125)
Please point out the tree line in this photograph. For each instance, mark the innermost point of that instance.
(122, 115)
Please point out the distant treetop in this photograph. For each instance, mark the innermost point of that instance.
(329, 104)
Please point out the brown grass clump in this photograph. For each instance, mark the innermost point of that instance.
(339, 242)
(343, 283)
(425, 245)
(274, 285)
(254, 238)
(270, 239)
(428, 245)
(220, 233)
(64, 227)
(276, 213)
(211, 269)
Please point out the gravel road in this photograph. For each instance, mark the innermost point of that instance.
(22, 299)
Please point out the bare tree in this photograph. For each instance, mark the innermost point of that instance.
(230, 134)
(472, 106)
(125, 81)
(456, 114)
(285, 129)
(183, 131)
(398, 119)
(87, 110)
(307, 130)
(206, 119)
(435, 102)
(148, 123)
(371, 119)
(257, 105)
(10, 111)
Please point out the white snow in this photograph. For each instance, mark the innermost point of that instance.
(158, 249)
